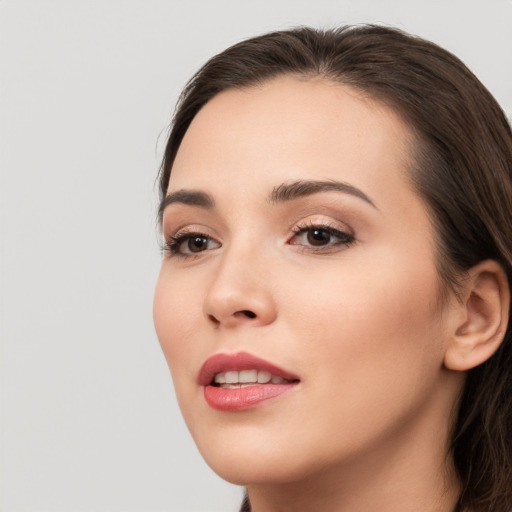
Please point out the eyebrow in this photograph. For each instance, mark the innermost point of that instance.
(282, 193)
(189, 197)
(294, 190)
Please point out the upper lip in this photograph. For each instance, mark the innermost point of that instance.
(222, 362)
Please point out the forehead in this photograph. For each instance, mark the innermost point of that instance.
(290, 128)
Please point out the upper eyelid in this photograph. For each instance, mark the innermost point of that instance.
(312, 216)
(186, 228)
(332, 229)
(178, 217)
(326, 221)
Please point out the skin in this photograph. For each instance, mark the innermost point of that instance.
(367, 427)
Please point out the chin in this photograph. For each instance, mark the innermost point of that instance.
(255, 461)
(246, 472)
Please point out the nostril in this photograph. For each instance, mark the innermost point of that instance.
(213, 319)
(243, 313)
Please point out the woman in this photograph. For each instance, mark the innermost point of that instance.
(334, 296)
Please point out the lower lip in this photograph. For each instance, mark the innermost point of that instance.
(242, 399)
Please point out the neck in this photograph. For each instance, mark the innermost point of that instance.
(437, 493)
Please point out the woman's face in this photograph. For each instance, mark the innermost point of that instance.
(298, 250)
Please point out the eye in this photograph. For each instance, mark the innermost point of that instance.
(188, 243)
(321, 237)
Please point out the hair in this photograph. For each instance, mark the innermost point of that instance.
(461, 167)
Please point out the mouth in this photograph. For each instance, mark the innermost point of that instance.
(241, 381)
(245, 378)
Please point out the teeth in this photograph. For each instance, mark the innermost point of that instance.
(233, 379)
(248, 376)
(220, 378)
(264, 377)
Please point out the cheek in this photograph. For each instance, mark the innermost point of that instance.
(371, 324)
(372, 354)
(175, 322)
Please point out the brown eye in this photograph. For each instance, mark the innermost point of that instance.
(186, 244)
(322, 237)
(197, 244)
(318, 236)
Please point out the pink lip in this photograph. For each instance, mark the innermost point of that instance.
(239, 399)
(220, 363)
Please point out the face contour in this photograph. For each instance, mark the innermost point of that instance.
(298, 248)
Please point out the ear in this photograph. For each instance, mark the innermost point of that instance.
(481, 317)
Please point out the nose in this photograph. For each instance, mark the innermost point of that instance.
(240, 293)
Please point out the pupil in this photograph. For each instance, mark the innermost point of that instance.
(197, 244)
(318, 237)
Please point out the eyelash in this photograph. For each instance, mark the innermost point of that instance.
(176, 241)
(343, 237)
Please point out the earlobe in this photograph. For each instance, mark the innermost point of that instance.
(482, 317)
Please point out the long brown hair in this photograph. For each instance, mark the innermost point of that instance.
(462, 169)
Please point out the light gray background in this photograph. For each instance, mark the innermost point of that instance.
(89, 420)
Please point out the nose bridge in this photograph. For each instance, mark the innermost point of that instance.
(239, 291)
